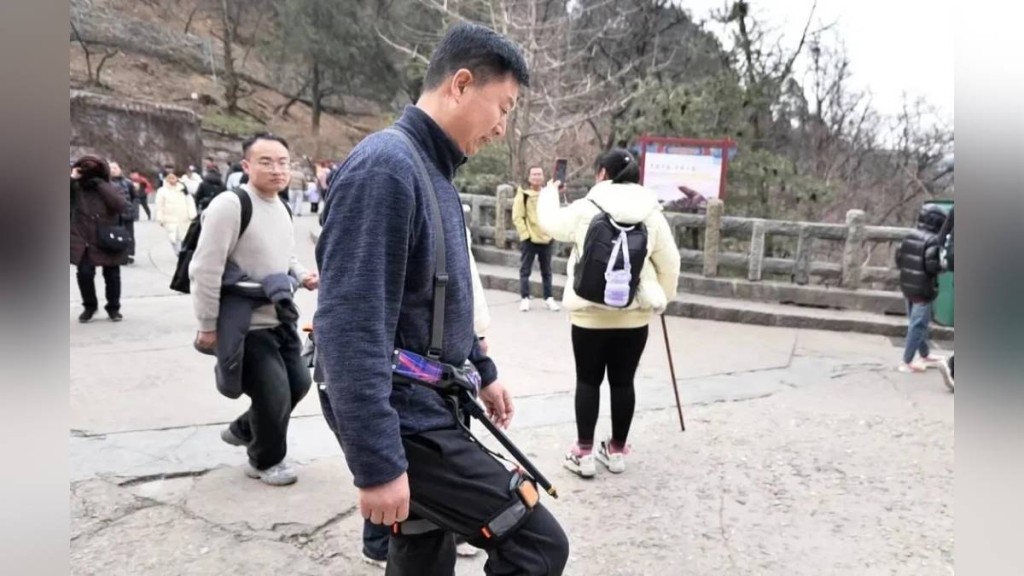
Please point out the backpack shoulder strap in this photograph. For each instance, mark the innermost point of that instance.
(246, 202)
(288, 208)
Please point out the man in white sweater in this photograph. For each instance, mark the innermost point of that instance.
(273, 374)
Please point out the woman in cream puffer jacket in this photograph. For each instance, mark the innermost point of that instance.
(175, 209)
(607, 339)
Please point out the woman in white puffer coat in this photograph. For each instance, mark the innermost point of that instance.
(175, 210)
(604, 338)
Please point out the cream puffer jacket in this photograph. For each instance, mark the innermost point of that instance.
(626, 204)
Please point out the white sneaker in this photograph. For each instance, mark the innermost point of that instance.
(373, 561)
(579, 463)
(913, 367)
(551, 305)
(947, 374)
(466, 550)
(615, 462)
(524, 305)
(279, 474)
(933, 361)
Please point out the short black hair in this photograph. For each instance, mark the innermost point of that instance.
(478, 49)
(262, 136)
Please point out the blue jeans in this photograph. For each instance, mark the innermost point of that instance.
(919, 316)
(376, 538)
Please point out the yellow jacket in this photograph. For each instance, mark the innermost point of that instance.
(524, 216)
(626, 203)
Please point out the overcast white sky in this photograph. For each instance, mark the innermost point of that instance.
(895, 46)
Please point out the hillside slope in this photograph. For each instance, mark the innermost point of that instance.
(154, 60)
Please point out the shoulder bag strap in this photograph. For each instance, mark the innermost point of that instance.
(440, 271)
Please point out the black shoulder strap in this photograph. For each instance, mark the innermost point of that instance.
(246, 202)
(440, 272)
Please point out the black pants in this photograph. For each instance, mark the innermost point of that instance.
(527, 251)
(376, 537)
(275, 378)
(86, 276)
(464, 486)
(129, 225)
(618, 352)
(144, 204)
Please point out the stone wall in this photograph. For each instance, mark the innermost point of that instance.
(138, 135)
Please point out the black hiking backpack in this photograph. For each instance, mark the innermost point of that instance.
(608, 268)
(180, 281)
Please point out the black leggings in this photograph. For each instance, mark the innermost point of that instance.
(618, 351)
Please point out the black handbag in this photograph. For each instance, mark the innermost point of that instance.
(114, 239)
(110, 238)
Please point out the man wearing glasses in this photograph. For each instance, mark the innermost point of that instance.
(242, 281)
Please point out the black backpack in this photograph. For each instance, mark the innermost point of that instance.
(602, 237)
(180, 281)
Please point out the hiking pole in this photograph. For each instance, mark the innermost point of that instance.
(470, 405)
(672, 370)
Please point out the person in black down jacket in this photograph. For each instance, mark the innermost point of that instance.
(208, 188)
(918, 262)
(946, 241)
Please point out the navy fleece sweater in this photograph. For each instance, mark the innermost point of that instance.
(376, 260)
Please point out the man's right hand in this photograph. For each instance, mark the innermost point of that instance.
(75, 173)
(386, 504)
(206, 340)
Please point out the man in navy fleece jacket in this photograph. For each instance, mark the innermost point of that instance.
(376, 260)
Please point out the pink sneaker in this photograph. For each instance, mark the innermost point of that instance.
(580, 461)
(613, 459)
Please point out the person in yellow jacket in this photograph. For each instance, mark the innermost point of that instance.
(607, 339)
(175, 209)
(533, 241)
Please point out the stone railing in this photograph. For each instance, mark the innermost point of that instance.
(861, 254)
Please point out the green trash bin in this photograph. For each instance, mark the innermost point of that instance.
(942, 308)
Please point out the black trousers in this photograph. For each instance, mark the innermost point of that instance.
(615, 351)
(144, 204)
(527, 251)
(86, 276)
(275, 378)
(129, 225)
(464, 487)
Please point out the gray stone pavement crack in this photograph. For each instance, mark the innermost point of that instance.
(105, 523)
(303, 538)
(137, 480)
